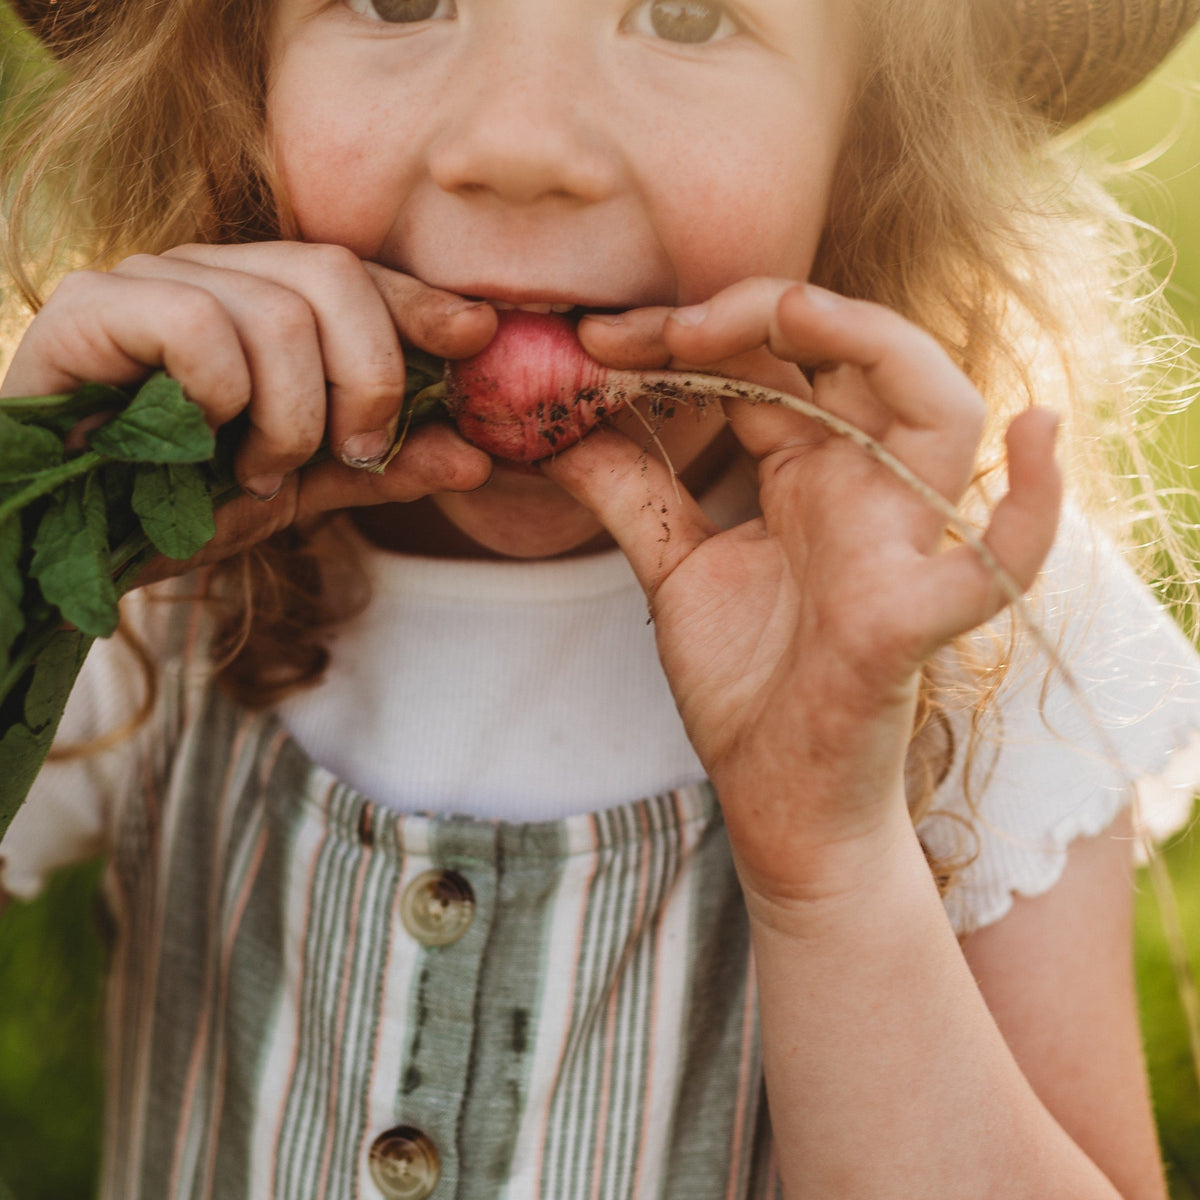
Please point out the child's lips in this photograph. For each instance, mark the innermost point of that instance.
(542, 307)
(562, 303)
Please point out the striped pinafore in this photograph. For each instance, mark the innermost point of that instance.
(315, 996)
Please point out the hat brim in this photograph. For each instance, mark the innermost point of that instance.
(1080, 55)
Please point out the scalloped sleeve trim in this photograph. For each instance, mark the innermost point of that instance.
(1011, 866)
(1046, 773)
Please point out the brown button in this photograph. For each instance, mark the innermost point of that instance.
(404, 1164)
(437, 907)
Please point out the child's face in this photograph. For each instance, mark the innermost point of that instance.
(579, 152)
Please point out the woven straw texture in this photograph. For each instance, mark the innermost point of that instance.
(1077, 55)
(1081, 54)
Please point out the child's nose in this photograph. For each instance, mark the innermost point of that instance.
(527, 127)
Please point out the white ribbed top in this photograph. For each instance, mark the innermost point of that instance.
(521, 691)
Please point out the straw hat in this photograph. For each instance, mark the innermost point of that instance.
(1081, 54)
(1076, 55)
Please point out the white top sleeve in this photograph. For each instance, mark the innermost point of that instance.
(69, 811)
(1061, 758)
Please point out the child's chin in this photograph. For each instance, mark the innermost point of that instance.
(510, 525)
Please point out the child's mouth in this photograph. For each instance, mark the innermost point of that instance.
(571, 310)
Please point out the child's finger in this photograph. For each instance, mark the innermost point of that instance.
(932, 414)
(752, 323)
(885, 377)
(628, 341)
(433, 459)
(637, 499)
(97, 326)
(737, 319)
(738, 331)
(958, 584)
(359, 348)
(437, 321)
(939, 416)
(279, 333)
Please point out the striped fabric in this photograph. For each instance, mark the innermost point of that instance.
(592, 1036)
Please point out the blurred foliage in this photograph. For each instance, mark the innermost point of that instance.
(1157, 133)
(51, 951)
(1172, 1078)
(1155, 136)
(51, 962)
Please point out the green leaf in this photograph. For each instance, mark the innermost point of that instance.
(116, 478)
(24, 747)
(12, 588)
(160, 425)
(70, 558)
(26, 449)
(87, 399)
(53, 677)
(22, 753)
(175, 508)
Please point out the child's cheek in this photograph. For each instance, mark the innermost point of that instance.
(762, 213)
(330, 147)
(323, 212)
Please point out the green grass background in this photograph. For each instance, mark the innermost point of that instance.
(52, 950)
(1162, 122)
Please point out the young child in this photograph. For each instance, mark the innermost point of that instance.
(430, 894)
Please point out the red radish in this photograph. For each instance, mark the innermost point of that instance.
(531, 391)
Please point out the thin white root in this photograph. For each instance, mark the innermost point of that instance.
(633, 408)
(754, 394)
(695, 383)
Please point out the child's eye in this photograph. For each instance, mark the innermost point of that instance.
(683, 20)
(404, 12)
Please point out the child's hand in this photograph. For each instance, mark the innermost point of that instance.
(794, 643)
(305, 339)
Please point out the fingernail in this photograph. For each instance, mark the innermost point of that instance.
(691, 316)
(263, 487)
(366, 449)
(605, 318)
